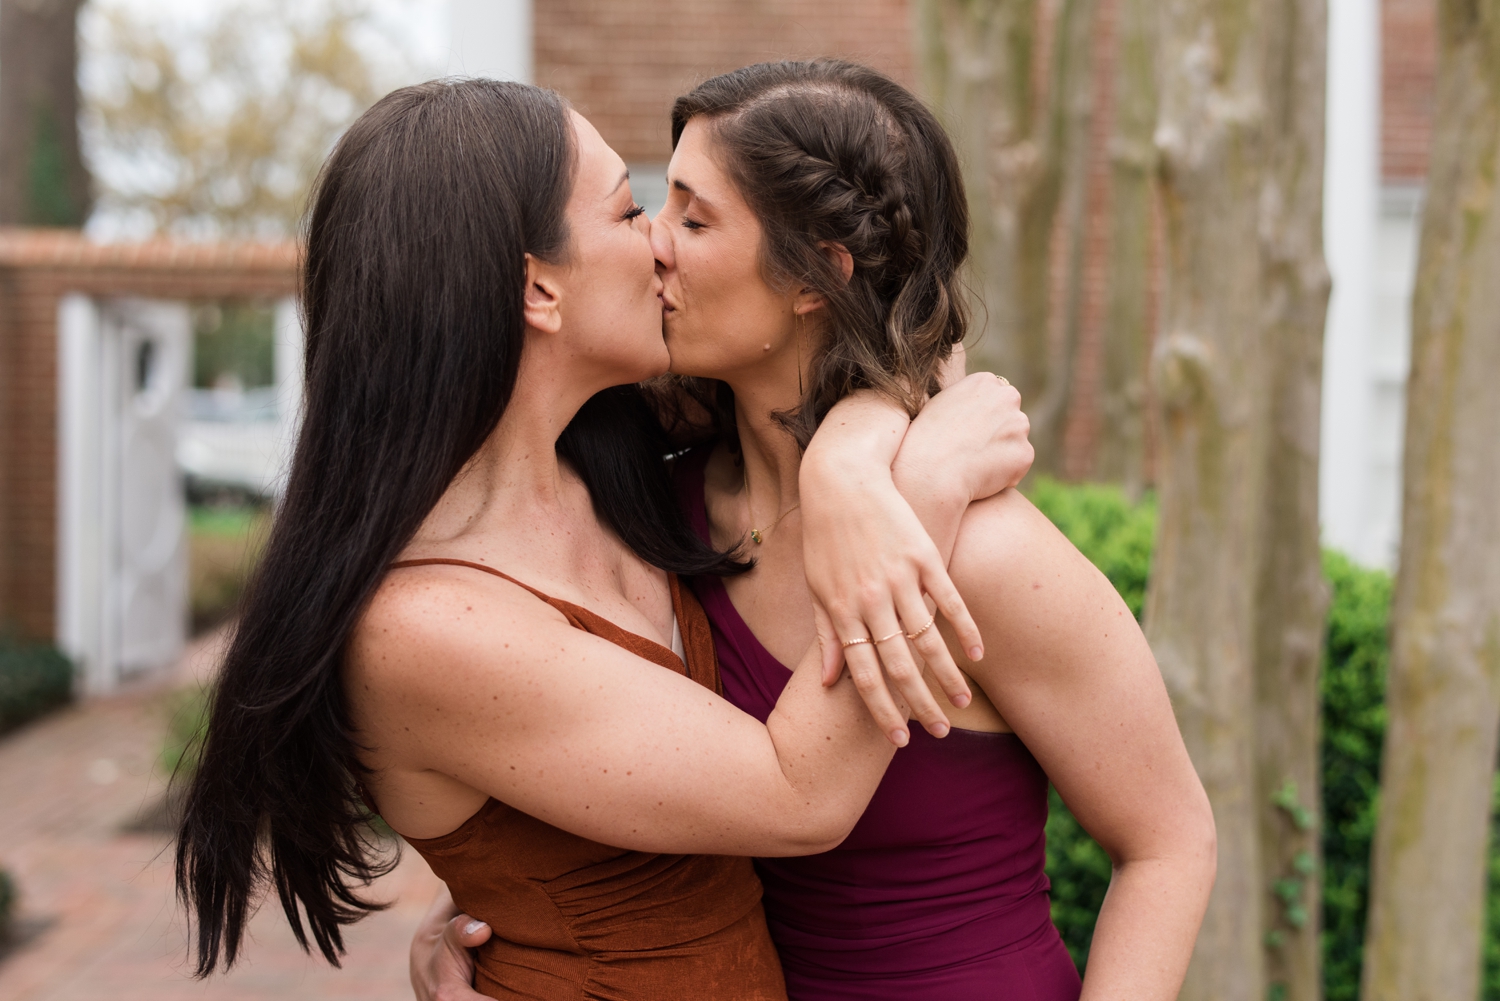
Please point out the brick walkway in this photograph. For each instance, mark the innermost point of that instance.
(98, 897)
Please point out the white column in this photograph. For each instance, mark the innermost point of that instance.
(491, 38)
(1351, 211)
(80, 508)
(288, 359)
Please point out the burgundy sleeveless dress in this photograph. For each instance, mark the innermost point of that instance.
(939, 893)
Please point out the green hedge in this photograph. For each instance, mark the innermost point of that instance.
(34, 679)
(1116, 535)
(7, 904)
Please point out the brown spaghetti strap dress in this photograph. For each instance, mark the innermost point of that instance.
(576, 919)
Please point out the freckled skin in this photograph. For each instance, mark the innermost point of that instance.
(465, 686)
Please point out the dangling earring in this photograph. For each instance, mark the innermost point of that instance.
(800, 391)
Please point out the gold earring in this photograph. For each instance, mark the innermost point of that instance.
(800, 391)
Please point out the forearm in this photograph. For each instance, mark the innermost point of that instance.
(938, 499)
(1146, 928)
(856, 443)
(831, 754)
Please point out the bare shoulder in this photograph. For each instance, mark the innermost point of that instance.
(1008, 549)
(1043, 609)
(423, 617)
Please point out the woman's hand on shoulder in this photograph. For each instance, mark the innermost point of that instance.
(882, 500)
(871, 565)
(969, 442)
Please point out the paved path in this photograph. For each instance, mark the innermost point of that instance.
(101, 895)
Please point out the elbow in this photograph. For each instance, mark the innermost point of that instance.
(811, 832)
(1208, 848)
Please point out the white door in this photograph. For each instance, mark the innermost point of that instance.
(122, 581)
(154, 342)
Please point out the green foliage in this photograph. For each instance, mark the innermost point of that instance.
(224, 543)
(1353, 690)
(34, 679)
(188, 718)
(8, 896)
(1116, 536)
(1079, 870)
(234, 339)
(1100, 520)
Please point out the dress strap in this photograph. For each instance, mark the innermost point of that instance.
(592, 622)
(445, 561)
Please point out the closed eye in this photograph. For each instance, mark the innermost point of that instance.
(634, 211)
(690, 224)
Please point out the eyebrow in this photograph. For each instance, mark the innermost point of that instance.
(680, 186)
(623, 178)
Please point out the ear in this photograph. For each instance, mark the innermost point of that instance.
(840, 256)
(543, 308)
(809, 301)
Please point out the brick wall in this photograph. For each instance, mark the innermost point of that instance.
(1408, 39)
(623, 62)
(37, 268)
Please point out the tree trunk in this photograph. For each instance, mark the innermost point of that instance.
(979, 63)
(1443, 694)
(43, 181)
(1070, 105)
(1293, 596)
(1210, 372)
(1121, 456)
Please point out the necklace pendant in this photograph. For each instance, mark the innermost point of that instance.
(756, 537)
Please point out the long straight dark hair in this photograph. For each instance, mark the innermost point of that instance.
(413, 291)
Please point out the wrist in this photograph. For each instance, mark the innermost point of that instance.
(926, 466)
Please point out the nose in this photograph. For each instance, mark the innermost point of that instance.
(661, 241)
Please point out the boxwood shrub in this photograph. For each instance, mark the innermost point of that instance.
(34, 679)
(1117, 535)
(7, 905)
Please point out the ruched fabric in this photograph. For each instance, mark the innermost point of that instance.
(576, 919)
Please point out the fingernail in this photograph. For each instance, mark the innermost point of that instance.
(961, 701)
(473, 926)
(899, 738)
(976, 653)
(940, 730)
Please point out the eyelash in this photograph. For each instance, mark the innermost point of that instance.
(689, 224)
(634, 211)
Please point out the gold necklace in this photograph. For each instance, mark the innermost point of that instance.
(758, 535)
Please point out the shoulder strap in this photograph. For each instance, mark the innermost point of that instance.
(582, 618)
(445, 561)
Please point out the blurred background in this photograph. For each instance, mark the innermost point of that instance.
(1209, 239)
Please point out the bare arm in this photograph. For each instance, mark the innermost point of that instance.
(1071, 672)
(479, 685)
(882, 499)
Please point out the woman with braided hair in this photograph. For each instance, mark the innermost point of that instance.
(810, 250)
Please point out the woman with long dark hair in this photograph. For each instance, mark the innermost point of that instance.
(467, 617)
(810, 249)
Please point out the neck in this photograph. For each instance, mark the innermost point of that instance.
(770, 454)
(515, 480)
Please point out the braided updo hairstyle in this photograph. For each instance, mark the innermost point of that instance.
(829, 151)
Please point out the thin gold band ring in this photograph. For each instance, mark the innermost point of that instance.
(919, 632)
(856, 642)
(883, 639)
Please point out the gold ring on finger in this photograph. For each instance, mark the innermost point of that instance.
(919, 632)
(854, 642)
(892, 636)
